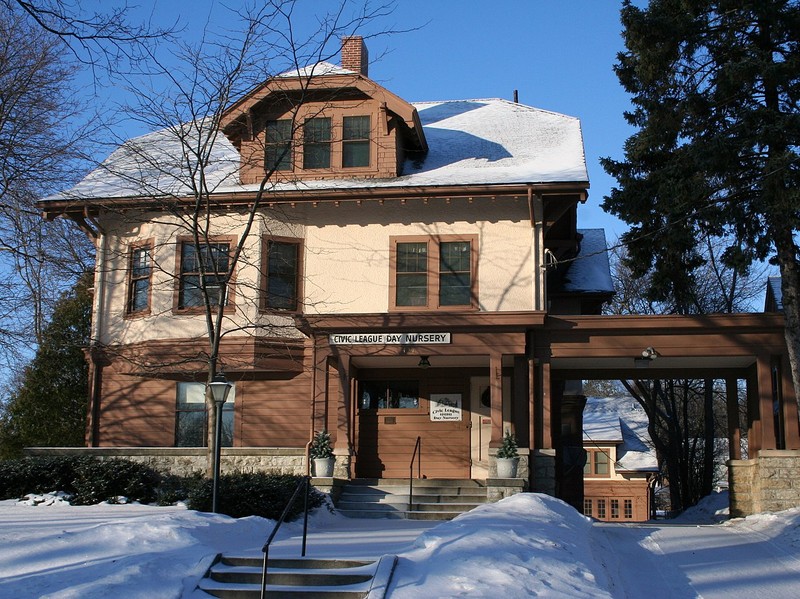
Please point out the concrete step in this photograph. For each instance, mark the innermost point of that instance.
(439, 499)
(239, 577)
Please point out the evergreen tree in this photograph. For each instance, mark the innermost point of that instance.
(715, 88)
(49, 408)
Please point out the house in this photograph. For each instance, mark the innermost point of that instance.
(410, 277)
(620, 460)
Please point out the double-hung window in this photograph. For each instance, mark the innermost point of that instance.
(282, 274)
(278, 147)
(140, 272)
(431, 273)
(317, 143)
(597, 463)
(355, 141)
(202, 267)
(191, 417)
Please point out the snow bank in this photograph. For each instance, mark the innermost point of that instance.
(523, 546)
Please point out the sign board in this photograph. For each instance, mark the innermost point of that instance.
(445, 406)
(389, 338)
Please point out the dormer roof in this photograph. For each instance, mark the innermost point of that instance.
(324, 82)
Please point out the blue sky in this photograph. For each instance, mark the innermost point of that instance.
(558, 54)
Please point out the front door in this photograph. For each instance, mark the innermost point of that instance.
(398, 407)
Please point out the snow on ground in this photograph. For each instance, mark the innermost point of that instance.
(526, 545)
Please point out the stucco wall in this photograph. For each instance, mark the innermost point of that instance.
(346, 261)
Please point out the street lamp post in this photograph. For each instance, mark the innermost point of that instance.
(219, 388)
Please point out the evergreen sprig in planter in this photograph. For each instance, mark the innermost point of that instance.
(507, 457)
(321, 453)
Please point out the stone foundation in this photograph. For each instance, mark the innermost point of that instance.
(768, 483)
(183, 461)
(523, 468)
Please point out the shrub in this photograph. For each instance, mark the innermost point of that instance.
(256, 494)
(97, 481)
(37, 475)
(321, 446)
(173, 489)
(509, 447)
(89, 479)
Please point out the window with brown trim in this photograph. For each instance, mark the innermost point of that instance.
(597, 463)
(432, 272)
(278, 147)
(317, 143)
(601, 509)
(191, 417)
(201, 267)
(140, 271)
(380, 395)
(355, 141)
(627, 506)
(282, 268)
(587, 507)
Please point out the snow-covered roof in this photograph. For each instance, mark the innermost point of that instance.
(316, 70)
(589, 271)
(774, 300)
(620, 421)
(471, 142)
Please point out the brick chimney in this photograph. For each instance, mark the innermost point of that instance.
(354, 54)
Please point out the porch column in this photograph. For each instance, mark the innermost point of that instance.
(753, 416)
(790, 416)
(766, 403)
(319, 399)
(734, 426)
(545, 425)
(342, 441)
(496, 395)
(520, 413)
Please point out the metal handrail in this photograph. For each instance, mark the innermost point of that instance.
(303, 482)
(418, 456)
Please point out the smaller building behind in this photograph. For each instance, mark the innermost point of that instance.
(620, 460)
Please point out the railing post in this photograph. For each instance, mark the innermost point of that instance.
(417, 448)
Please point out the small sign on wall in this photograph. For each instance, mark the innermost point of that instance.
(446, 406)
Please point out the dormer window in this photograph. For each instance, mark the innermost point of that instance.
(317, 143)
(278, 149)
(355, 141)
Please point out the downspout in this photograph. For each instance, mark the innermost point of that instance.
(536, 209)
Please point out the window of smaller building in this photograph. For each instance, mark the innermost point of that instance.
(204, 266)
(615, 509)
(597, 463)
(587, 507)
(627, 507)
(191, 422)
(317, 143)
(282, 265)
(140, 272)
(601, 509)
(355, 141)
(278, 147)
(379, 395)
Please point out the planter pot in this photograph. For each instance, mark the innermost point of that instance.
(323, 467)
(507, 467)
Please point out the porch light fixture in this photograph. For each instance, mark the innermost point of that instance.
(219, 388)
(648, 355)
(424, 362)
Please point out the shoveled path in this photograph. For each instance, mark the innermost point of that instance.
(681, 561)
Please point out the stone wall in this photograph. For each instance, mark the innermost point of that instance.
(770, 482)
(184, 461)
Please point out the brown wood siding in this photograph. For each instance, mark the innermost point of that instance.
(273, 413)
(136, 412)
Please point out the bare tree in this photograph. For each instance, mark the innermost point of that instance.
(686, 417)
(40, 149)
